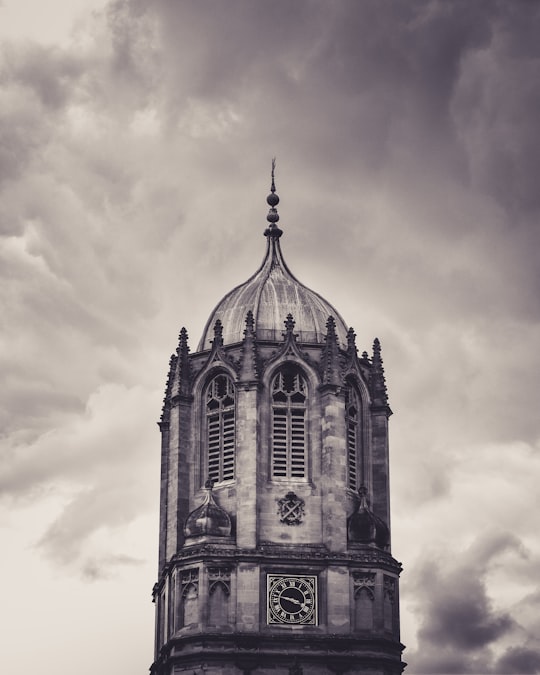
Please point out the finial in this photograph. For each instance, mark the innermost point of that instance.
(209, 484)
(351, 341)
(273, 200)
(331, 355)
(182, 341)
(289, 323)
(248, 361)
(218, 333)
(363, 494)
(273, 187)
(250, 322)
(184, 366)
(377, 381)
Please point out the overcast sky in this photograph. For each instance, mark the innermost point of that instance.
(135, 147)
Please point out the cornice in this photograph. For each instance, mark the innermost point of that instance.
(251, 650)
(270, 554)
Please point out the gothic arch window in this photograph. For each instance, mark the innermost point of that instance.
(189, 613)
(220, 428)
(219, 591)
(354, 439)
(289, 399)
(364, 598)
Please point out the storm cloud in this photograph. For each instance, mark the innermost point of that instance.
(134, 165)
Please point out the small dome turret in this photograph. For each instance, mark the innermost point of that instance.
(364, 526)
(208, 519)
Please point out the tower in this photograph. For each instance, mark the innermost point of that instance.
(274, 546)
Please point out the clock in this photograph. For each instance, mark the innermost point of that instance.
(292, 599)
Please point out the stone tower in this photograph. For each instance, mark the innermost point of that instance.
(274, 547)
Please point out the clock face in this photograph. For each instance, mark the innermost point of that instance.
(292, 599)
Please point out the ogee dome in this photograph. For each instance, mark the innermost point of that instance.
(273, 293)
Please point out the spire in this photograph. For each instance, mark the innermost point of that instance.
(331, 354)
(165, 410)
(184, 366)
(218, 334)
(351, 343)
(377, 379)
(273, 216)
(248, 361)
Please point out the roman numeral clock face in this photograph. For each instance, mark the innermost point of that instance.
(292, 599)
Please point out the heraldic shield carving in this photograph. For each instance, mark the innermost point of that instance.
(291, 509)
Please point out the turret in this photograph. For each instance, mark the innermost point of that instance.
(275, 519)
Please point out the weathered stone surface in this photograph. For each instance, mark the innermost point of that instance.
(290, 499)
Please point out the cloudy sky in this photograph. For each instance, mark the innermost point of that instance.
(135, 148)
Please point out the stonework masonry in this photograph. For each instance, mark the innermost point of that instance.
(274, 551)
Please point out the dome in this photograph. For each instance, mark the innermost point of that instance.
(364, 527)
(208, 519)
(271, 294)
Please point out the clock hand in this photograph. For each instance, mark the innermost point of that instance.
(293, 600)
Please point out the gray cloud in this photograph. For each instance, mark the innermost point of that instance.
(519, 660)
(459, 624)
(133, 170)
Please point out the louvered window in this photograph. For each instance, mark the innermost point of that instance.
(220, 428)
(289, 424)
(352, 410)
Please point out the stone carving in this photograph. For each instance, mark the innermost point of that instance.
(190, 579)
(364, 580)
(219, 576)
(291, 509)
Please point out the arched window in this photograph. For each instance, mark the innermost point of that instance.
(352, 420)
(289, 393)
(220, 428)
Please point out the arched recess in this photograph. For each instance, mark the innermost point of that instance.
(189, 605)
(219, 428)
(219, 591)
(289, 401)
(363, 608)
(218, 605)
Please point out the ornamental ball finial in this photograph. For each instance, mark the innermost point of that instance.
(273, 216)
